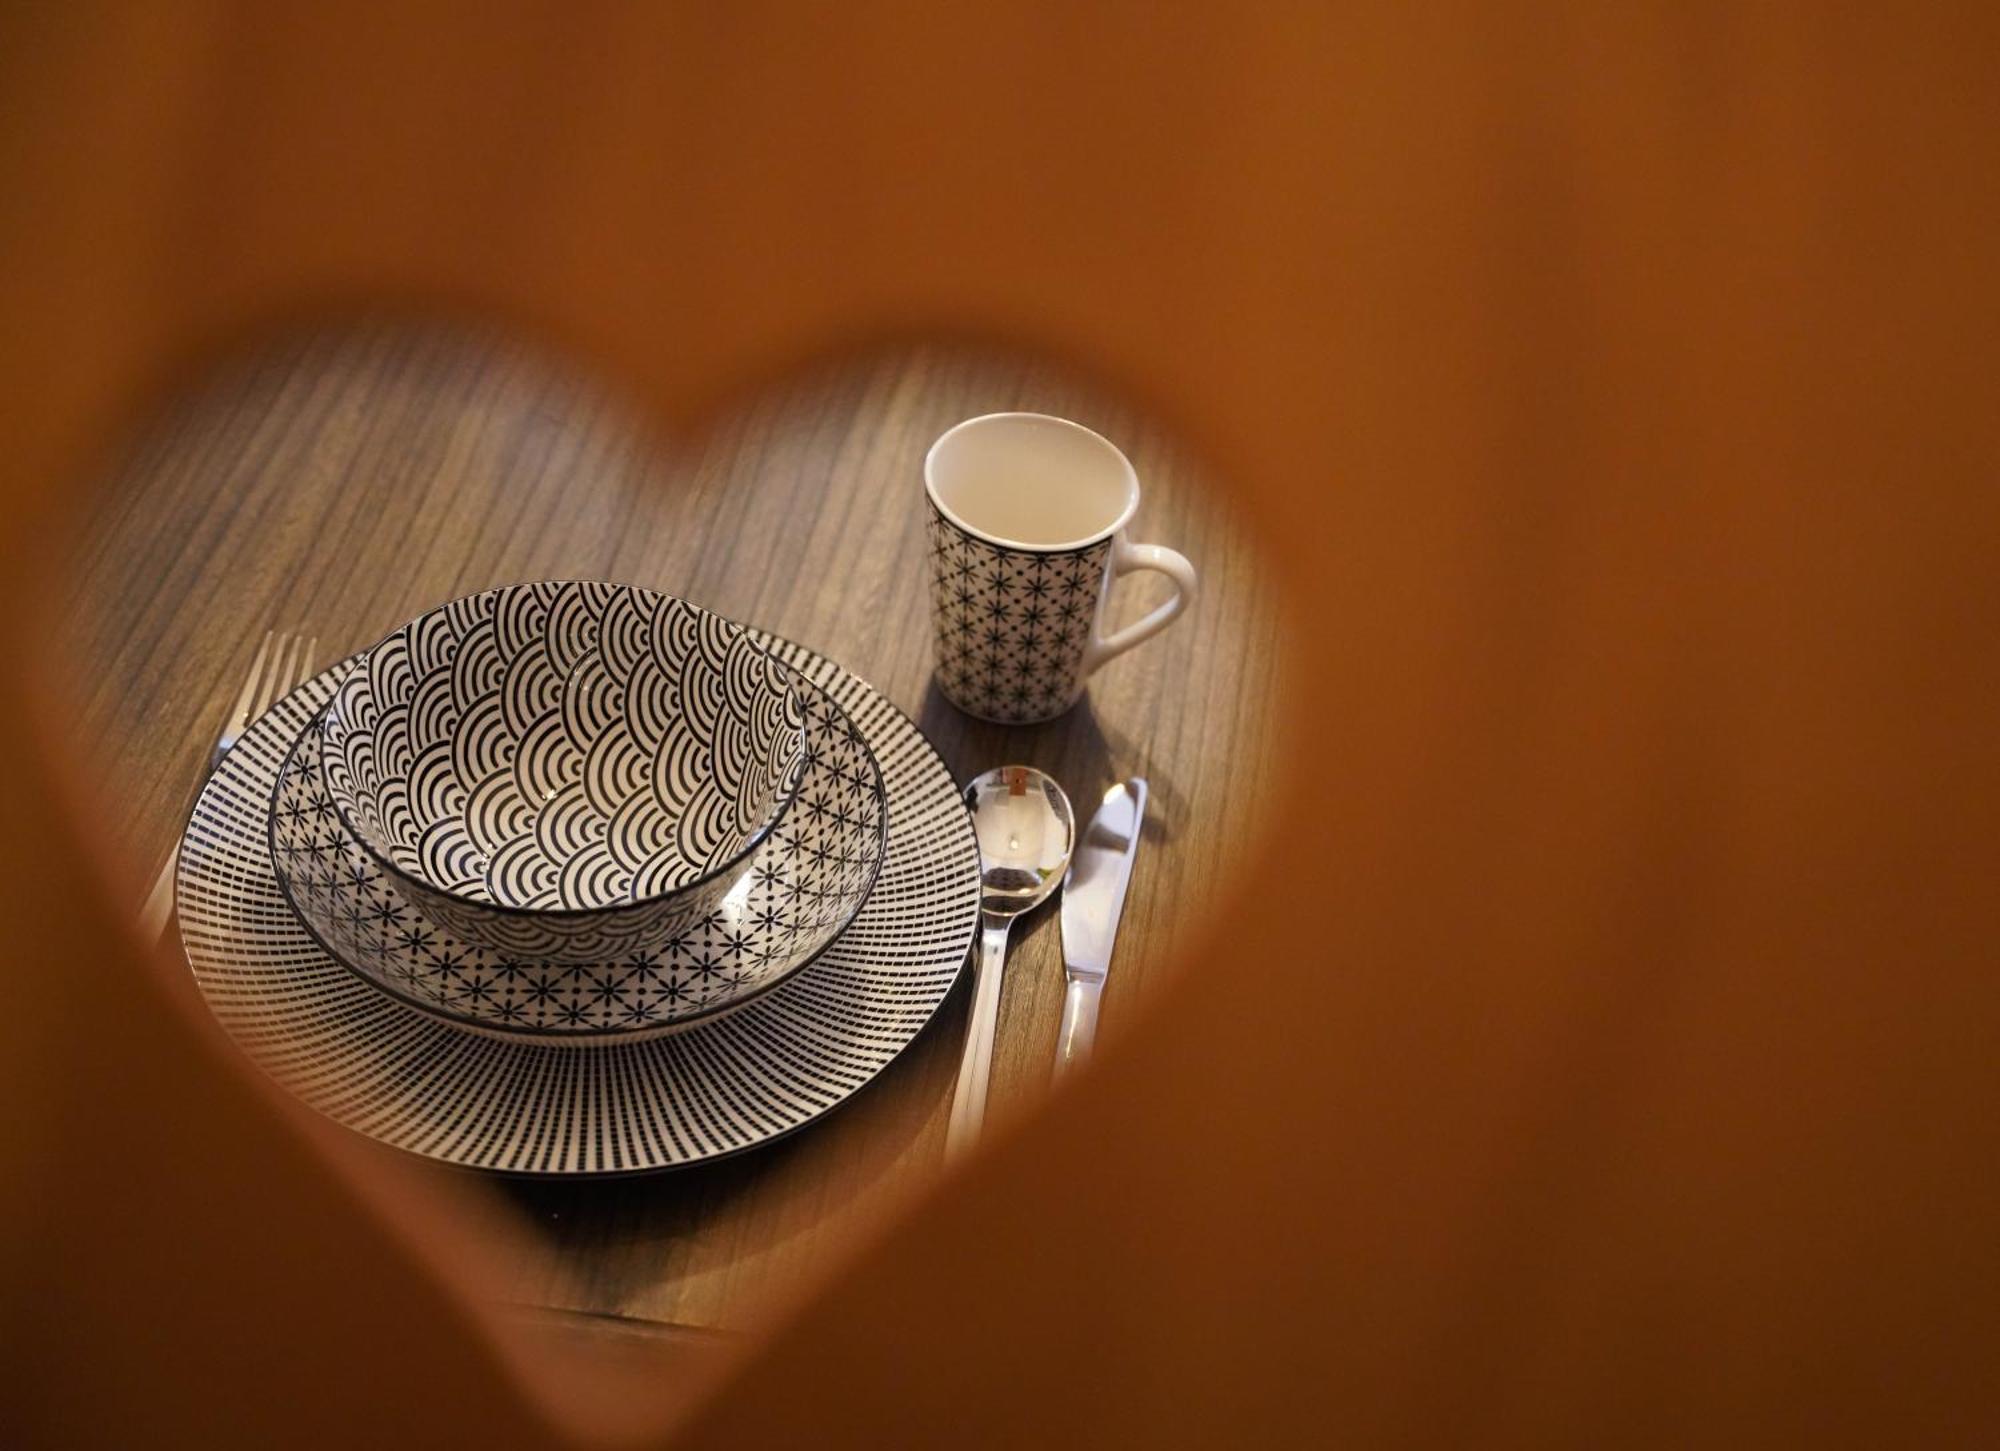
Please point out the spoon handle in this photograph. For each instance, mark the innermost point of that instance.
(968, 1103)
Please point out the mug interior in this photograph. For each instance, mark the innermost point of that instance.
(1030, 480)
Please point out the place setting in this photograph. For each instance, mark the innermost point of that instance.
(577, 878)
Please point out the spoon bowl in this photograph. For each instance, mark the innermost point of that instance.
(1026, 831)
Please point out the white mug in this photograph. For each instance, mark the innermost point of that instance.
(1027, 531)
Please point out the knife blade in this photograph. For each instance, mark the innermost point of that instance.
(1093, 900)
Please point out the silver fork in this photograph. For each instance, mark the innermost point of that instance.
(281, 663)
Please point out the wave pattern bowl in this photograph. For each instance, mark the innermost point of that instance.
(565, 771)
(805, 884)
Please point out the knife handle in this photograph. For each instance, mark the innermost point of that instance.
(975, 1070)
(1078, 1033)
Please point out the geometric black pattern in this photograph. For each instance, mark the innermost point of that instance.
(1012, 624)
(513, 1104)
(568, 769)
(808, 879)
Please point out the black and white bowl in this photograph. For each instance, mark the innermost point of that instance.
(805, 884)
(517, 1104)
(565, 771)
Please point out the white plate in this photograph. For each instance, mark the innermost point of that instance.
(478, 1101)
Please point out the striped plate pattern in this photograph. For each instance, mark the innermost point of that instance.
(523, 1107)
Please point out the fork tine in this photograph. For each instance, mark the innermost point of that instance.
(267, 681)
(294, 672)
(246, 702)
(283, 669)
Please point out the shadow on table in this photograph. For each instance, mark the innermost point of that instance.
(1084, 755)
(661, 1220)
(665, 1210)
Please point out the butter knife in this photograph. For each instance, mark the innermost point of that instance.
(1093, 899)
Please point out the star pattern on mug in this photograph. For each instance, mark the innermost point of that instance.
(1012, 625)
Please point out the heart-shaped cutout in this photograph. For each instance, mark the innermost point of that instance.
(339, 482)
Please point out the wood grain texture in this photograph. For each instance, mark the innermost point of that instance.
(340, 482)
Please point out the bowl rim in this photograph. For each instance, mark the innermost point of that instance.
(787, 791)
(607, 1038)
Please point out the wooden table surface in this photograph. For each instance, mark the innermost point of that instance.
(341, 482)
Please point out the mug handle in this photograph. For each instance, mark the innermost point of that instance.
(1125, 558)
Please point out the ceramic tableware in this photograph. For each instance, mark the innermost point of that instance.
(566, 771)
(1027, 531)
(516, 1106)
(806, 882)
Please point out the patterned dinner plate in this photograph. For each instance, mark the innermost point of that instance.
(805, 883)
(515, 1105)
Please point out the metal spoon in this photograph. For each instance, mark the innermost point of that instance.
(1025, 829)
